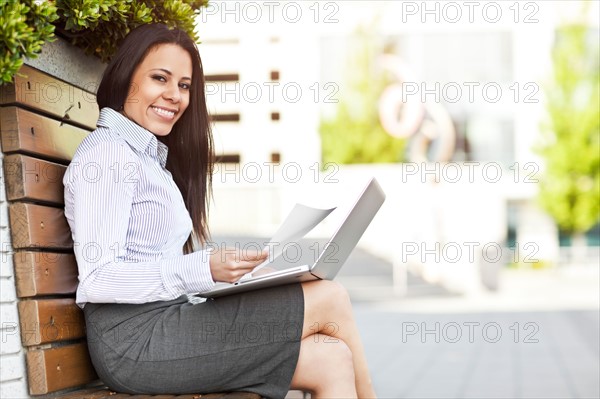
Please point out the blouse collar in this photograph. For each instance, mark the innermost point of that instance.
(136, 136)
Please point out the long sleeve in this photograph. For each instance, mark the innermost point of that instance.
(121, 232)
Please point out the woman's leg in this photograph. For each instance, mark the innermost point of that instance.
(324, 369)
(328, 316)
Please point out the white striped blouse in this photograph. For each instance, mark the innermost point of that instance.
(128, 219)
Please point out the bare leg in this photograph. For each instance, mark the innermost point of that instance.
(324, 369)
(328, 311)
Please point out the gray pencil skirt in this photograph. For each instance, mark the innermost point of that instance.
(248, 342)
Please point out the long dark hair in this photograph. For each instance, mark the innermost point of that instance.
(190, 143)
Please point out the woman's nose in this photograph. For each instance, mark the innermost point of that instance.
(172, 93)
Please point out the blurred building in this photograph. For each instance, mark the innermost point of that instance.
(275, 68)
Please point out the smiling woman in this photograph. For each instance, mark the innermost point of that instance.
(161, 68)
(135, 223)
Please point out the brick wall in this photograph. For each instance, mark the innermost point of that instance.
(13, 381)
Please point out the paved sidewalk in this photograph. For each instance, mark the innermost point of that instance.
(482, 355)
(537, 337)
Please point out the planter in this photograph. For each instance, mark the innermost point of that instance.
(69, 63)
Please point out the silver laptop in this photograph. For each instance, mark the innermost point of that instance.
(330, 259)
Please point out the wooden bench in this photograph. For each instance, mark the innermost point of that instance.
(43, 122)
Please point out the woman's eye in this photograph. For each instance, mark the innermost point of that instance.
(185, 86)
(160, 78)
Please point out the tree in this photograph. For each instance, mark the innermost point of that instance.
(570, 187)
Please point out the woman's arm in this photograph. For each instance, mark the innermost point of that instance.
(98, 203)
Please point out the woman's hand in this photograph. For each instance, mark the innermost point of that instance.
(229, 265)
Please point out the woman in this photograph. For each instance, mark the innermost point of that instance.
(136, 196)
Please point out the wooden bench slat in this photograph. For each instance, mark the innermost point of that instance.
(107, 394)
(164, 397)
(45, 93)
(153, 397)
(50, 320)
(34, 179)
(51, 370)
(230, 395)
(27, 132)
(93, 393)
(44, 273)
(36, 226)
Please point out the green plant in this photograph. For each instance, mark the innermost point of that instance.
(96, 26)
(570, 187)
(355, 134)
(24, 27)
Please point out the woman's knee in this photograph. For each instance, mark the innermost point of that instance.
(325, 302)
(325, 291)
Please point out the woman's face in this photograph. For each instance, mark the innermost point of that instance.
(160, 89)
